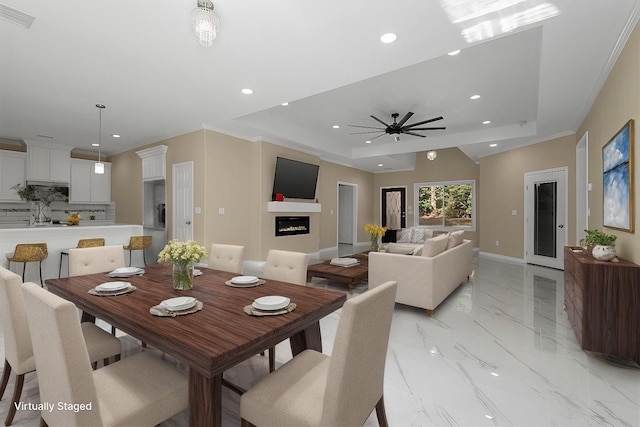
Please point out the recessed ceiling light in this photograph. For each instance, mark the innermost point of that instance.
(95, 145)
(493, 145)
(489, 417)
(247, 91)
(486, 122)
(115, 135)
(284, 104)
(474, 97)
(380, 165)
(336, 126)
(495, 374)
(454, 52)
(367, 142)
(388, 38)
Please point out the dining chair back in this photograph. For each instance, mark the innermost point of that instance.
(29, 252)
(139, 390)
(18, 349)
(82, 243)
(139, 243)
(286, 266)
(314, 389)
(226, 258)
(99, 259)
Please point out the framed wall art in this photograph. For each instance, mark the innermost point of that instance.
(617, 180)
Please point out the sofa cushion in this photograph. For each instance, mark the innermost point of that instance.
(435, 245)
(455, 238)
(405, 235)
(399, 248)
(421, 234)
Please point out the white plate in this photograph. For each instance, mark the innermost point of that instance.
(112, 286)
(178, 303)
(126, 270)
(243, 280)
(272, 302)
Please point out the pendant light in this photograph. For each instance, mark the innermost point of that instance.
(99, 166)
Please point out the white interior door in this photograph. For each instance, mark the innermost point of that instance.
(546, 220)
(182, 201)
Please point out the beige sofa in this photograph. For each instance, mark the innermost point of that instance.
(423, 281)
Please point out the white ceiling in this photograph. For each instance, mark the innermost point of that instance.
(142, 60)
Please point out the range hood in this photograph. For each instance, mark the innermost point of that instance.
(48, 183)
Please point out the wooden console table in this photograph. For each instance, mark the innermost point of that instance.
(602, 301)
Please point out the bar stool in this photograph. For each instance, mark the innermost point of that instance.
(138, 243)
(82, 243)
(29, 252)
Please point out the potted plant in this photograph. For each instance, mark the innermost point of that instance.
(603, 244)
(41, 198)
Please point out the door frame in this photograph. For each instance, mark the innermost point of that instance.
(528, 213)
(173, 196)
(354, 208)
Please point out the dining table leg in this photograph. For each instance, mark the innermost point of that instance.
(205, 400)
(308, 338)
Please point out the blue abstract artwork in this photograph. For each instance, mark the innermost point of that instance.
(616, 182)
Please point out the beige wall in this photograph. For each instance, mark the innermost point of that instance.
(450, 165)
(330, 175)
(617, 102)
(502, 190)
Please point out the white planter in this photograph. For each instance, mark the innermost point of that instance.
(604, 253)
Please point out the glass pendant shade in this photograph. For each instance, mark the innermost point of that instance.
(99, 168)
(205, 22)
(431, 155)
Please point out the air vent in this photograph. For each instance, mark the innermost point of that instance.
(45, 136)
(16, 17)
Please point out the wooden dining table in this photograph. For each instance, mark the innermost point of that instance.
(209, 341)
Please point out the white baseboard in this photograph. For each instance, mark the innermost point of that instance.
(502, 257)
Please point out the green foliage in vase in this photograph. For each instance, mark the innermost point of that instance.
(597, 237)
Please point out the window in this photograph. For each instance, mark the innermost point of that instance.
(446, 204)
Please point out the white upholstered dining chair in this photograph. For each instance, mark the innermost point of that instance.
(226, 257)
(314, 389)
(99, 259)
(141, 390)
(285, 266)
(18, 350)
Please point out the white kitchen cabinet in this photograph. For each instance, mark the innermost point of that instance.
(88, 187)
(48, 162)
(153, 162)
(13, 168)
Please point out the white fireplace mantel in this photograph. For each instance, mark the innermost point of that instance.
(293, 207)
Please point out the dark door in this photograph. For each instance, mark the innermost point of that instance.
(394, 215)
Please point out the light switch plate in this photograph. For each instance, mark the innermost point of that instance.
(221, 211)
(198, 211)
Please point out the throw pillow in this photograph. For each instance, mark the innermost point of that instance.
(405, 235)
(435, 245)
(417, 251)
(418, 235)
(455, 239)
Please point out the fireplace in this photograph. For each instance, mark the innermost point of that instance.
(292, 225)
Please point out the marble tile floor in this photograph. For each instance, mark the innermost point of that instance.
(497, 352)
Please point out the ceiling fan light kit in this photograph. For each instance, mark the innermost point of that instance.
(399, 128)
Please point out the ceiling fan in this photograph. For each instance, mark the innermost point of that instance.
(397, 128)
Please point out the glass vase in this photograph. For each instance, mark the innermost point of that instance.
(183, 276)
(375, 244)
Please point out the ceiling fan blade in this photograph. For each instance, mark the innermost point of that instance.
(362, 133)
(414, 134)
(405, 118)
(378, 120)
(383, 134)
(426, 121)
(436, 128)
(366, 127)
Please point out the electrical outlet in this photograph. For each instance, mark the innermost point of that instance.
(221, 211)
(497, 242)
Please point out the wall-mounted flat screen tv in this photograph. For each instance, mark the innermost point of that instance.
(294, 179)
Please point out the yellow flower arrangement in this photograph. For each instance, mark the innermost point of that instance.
(376, 232)
(182, 255)
(74, 218)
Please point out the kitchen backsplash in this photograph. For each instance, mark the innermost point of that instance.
(12, 214)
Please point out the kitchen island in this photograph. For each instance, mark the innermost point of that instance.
(62, 237)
